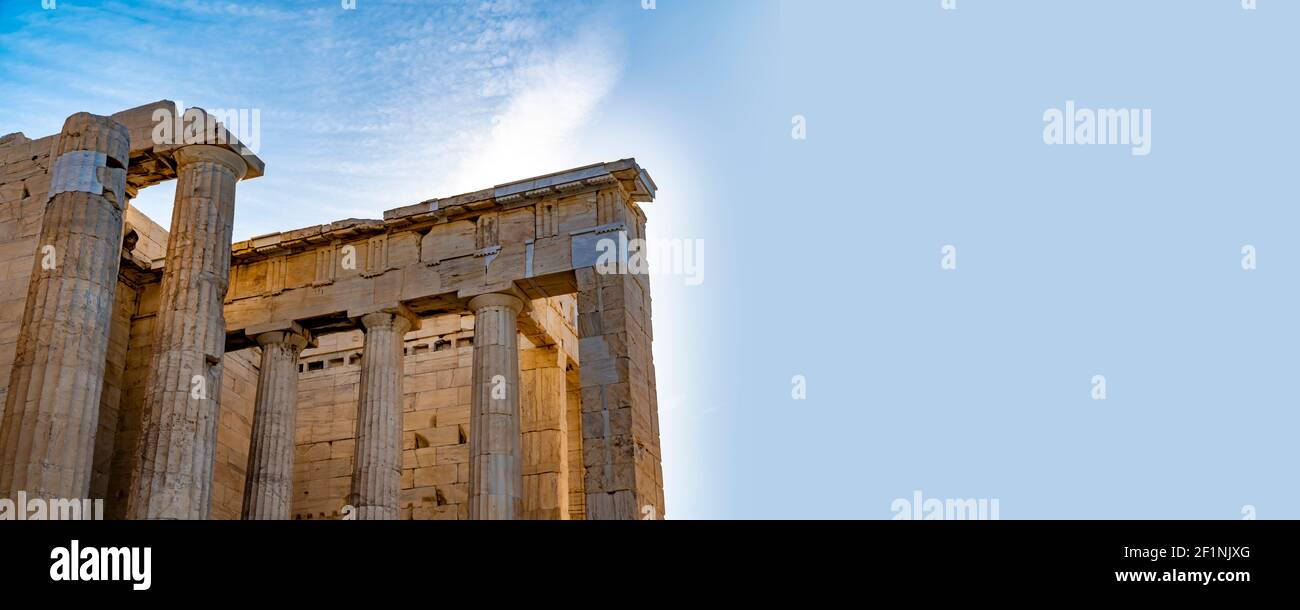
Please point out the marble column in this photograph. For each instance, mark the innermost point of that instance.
(47, 436)
(268, 487)
(377, 465)
(173, 476)
(495, 445)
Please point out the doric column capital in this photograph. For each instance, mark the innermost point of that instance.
(91, 156)
(201, 153)
(383, 320)
(295, 340)
(383, 316)
(87, 132)
(497, 299)
(282, 332)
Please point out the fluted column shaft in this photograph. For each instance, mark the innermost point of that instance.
(47, 435)
(377, 465)
(268, 487)
(173, 477)
(495, 444)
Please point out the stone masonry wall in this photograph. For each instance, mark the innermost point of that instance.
(24, 182)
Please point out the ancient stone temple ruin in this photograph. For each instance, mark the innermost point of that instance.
(460, 358)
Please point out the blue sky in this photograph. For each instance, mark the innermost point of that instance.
(924, 129)
(361, 110)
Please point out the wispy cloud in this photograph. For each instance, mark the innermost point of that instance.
(558, 90)
(362, 110)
